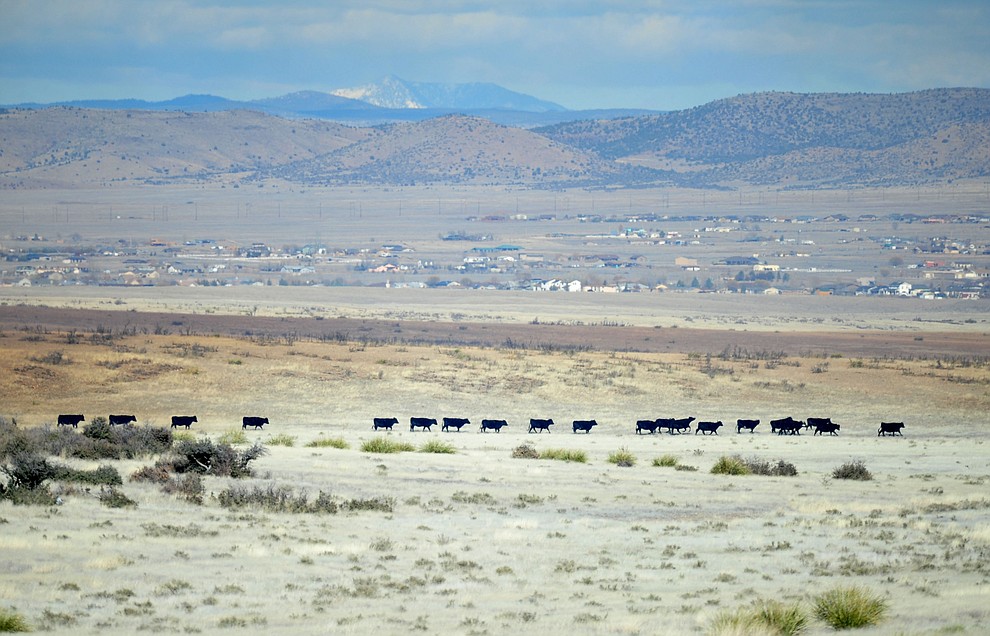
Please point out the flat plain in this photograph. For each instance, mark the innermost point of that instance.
(479, 541)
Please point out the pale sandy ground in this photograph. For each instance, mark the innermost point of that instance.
(792, 312)
(480, 542)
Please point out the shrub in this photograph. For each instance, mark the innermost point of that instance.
(221, 460)
(104, 475)
(736, 465)
(565, 455)
(730, 466)
(780, 468)
(28, 470)
(189, 486)
(525, 451)
(333, 442)
(622, 457)
(667, 461)
(437, 446)
(113, 498)
(275, 498)
(853, 470)
(12, 622)
(385, 445)
(850, 607)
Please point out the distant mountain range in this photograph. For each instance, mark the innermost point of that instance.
(780, 140)
(389, 100)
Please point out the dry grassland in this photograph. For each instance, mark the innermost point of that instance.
(479, 541)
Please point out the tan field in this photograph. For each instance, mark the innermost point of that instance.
(481, 542)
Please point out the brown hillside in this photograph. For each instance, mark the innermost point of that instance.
(61, 147)
(451, 149)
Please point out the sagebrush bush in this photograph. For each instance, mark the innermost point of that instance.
(276, 498)
(736, 465)
(525, 451)
(780, 468)
(850, 607)
(622, 457)
(853, 470)
(104, 475)
(189, 486)
(220, 460)
(113, 498)
(385, 445)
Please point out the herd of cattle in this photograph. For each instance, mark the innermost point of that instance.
(674, 426)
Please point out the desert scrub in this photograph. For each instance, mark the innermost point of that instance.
(730, 466)
(765, 618)
(853, 470)
(666, 461)
(113, 498)
(282, 439)
(736, 465)
(525, 451)
(10, 622)
(220, 460)
(331, 442)
(437, 446)
(385, 445)
(275, 498)
(622, 457)
(565, 455)
(850, 607)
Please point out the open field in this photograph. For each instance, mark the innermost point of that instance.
(481, 542)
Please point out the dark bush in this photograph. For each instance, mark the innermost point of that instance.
(104, 475)
(853, 470)
(525, 451)
(189, 486)
(221, 460)
(113, 498)
(28, 470)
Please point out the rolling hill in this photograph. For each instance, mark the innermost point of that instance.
(783, 140)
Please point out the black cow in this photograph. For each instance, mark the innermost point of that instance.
(183, 420)
(70, 420)
(647, 425)
(584, 425)
(121, 420)
(708, 427)
(493, 425)
(421, 422)
(385, 422)
(892, 428)
(672, 424)
(823, 425)
(786, 426)
(539, 425)
(454, 422)
(813, 422)
(749, 425)
(256, 422)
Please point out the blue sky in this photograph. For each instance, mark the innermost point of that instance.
(579, 53)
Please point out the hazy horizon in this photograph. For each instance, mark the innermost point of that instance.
(619, 54)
